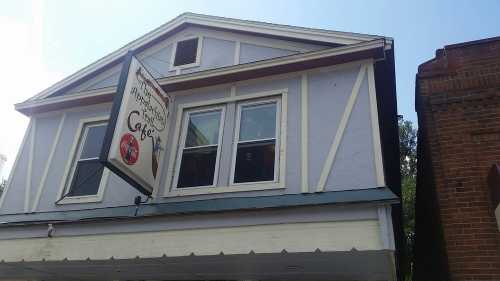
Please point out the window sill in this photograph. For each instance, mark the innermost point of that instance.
(223, 189)
(80, 199)
(184, 66)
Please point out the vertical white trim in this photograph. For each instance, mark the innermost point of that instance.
(304, 130)
(386, 230)
(48, 163)
(340, 130)
(237, 49)
(233, 91)
(27, 189)
(377, 148)
(14, 166)
(283, 139)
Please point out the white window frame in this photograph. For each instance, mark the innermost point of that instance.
(75, 153)
(169, 187)
(277, 139)
(198, 54)
(182, 146)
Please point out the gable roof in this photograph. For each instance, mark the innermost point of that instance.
(246, 26)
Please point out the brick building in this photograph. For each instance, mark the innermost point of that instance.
(458, 106)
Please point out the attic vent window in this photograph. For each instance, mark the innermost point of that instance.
(186, 52)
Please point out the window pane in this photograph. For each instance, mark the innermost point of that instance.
(86, 178)
(197, 167)
(258, 122)
(255, 162)
(203, 129)
(93, 142)
(186, 52)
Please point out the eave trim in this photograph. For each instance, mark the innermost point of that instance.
(372, 49)
(381, 195)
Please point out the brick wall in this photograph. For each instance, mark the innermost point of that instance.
(458, 103)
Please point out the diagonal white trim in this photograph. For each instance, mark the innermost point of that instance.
(340, 130)
(377, 147)
(293, 32)
(27, 189)
(48, 163)
(14, 166)
(304, 129)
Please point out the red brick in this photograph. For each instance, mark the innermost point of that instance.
(459, 94)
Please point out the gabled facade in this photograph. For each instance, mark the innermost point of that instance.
(281, 163)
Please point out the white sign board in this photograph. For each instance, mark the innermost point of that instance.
(134, 145)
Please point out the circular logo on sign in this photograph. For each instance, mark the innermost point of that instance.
(129, 149)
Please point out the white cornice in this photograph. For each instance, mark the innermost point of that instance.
(300, 33)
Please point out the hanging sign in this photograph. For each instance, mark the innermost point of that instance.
(135, 140)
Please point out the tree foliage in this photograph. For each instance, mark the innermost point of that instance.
(3, 183)
(408, 167)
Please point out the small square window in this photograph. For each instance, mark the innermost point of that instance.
(87, 170)
(186, 52)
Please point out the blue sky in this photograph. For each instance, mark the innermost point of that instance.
(45, 41)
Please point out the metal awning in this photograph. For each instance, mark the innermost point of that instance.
(349, 265)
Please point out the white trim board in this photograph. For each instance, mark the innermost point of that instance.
(377, 147)
(304, 133)
(283, 31)
(362, 235)
(27, 189)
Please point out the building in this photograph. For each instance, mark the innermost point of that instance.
(282, 163)
(458, 106)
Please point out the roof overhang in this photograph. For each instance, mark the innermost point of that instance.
(321, 266)
(267, 29)
(374, 49)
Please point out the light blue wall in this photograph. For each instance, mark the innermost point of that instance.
(328, 90)
(251, 53)
(215, 53)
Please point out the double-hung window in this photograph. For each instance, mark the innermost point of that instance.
(256, 149)
(200, 148)
(86, 171)
(251, 161)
